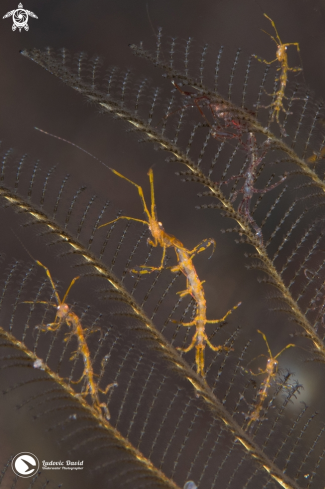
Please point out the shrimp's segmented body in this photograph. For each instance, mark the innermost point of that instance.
(249, 176)
(64, 314)
(185, 265)
(282, 58)
(270, 370)
(195, 289)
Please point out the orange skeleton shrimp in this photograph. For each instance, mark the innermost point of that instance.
(65, 314)
(282, 57)
(185, 265)
(271, 370)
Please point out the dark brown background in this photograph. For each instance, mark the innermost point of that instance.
(32, 97)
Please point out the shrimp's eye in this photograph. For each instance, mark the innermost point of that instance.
(160, 224)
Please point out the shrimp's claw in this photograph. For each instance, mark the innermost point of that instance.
(174, 269)
(183, 293)
(141, 270)
(203, 246)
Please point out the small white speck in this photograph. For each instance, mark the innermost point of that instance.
(190, 485)
(38, 364)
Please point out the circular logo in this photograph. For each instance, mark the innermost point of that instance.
(25, 464)
(20, 17)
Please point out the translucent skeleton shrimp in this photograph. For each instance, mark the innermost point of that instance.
(185, 265)
(220, 113)
(249, 180)
(282, 57)
(64, 314)
(270, 370)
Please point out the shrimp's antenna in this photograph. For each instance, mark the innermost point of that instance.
(46, 270)
(22, 244)
(149, 18)
(73, 144)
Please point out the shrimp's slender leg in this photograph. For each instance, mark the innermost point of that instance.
(252, 360)
(277, 105)
(264, 191)
(190, 347)
(142, 269)
(216, 348)
(136, 269)
(152, 243)
(162, 259)
(258, 373)
(108, 387)
(293, 44)
(264, 60)
(79, 380)
(192, 323)
(276, 93)
(234, 177)
(224, 317)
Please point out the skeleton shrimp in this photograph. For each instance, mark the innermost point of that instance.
(282, 57)
(185, 265)
(219, 112)
(271, 370)
(248, 187)
(64, 314)
(316, 157)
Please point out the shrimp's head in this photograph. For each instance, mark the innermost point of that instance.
(156, 229)
(62, 311)
(281, 52)
(271, 366)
